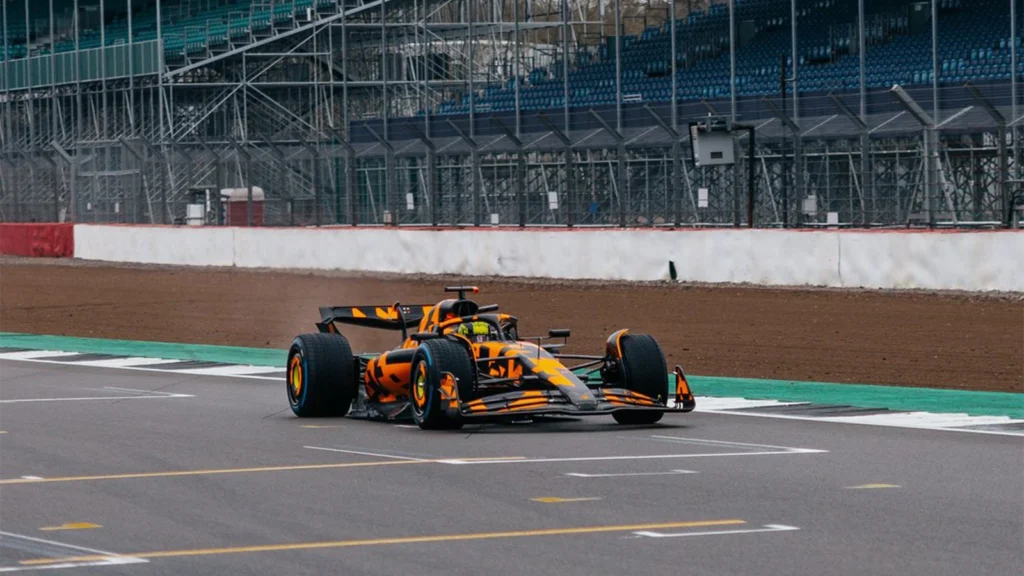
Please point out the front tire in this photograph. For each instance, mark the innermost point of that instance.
(431, 359)
(642, 369)
(321, 375)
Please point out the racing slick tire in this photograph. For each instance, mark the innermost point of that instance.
(431, 359)
(642, 369)
(321, 375)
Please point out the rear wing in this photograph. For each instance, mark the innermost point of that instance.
(387, 317)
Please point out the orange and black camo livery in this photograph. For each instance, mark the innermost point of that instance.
(388, 317)
(605, 400)
(684, 397)
(388, 375)
(512, 376)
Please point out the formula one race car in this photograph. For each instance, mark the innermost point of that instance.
(467, 362)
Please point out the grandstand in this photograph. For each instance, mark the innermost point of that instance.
(529, 112)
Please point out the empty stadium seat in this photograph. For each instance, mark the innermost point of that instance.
(969, 49)
(229, 22)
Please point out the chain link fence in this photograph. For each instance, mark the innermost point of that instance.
(829, 167)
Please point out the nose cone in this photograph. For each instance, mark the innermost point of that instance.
(554, 373)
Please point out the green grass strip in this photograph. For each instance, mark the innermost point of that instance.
(169, 350)
(861, 395)
(936, 400)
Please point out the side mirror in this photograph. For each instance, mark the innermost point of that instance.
(421, 336)
(560, 333)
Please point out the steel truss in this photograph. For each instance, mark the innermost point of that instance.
(281, 114)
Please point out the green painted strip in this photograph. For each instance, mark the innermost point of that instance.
(861, 395)
(936, 400)
(225, 354)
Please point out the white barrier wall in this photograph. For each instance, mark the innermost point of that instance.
(190, 246)
(975, 261)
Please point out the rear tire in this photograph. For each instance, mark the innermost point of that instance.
(642, 369)
(432, 358)
(321, 375)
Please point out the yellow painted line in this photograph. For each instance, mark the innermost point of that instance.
(3, 431)
(71, 526)
(206, 472)
(320, 426)
(35, 480)
(872, 486)
(557, 500)
(390, 541)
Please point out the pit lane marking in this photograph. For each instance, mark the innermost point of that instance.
(96, 557)
(392, 541)
(378, 455)
(396, 461)
(209, 472)
(767, 528)
(911, 420)
(616, 475)
(142, 395)
(466, 461)
(244, 372)
(707, 442)
(71, 526)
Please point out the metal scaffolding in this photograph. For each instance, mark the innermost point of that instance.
(333, 117)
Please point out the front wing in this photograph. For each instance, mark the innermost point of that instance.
(551, 401)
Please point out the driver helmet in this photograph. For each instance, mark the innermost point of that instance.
(476, 331)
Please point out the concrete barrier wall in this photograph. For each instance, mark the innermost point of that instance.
(156, 244)
(975, 261)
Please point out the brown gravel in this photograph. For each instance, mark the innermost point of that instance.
(958, 341)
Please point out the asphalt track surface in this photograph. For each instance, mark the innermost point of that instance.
(114, 472)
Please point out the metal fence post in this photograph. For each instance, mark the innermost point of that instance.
(520, 169)
(1004, 164)
(433, 190)
(475, 160)
(317, 193)
(795, 129)
(15, 173)
(218, 175)
(350, 177)
(283, 177)
(239, 149)
(389, 175)
(72, 187)
(163, 189)
(567, 152)
(677, 164)
(865, 140)
(621, 165)
(930, 143)
(56, 191)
